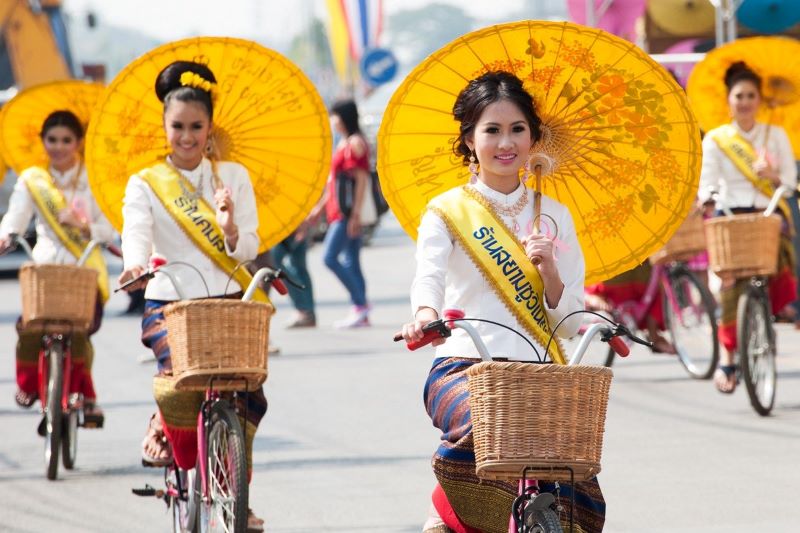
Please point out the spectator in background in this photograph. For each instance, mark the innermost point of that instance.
(343, 239)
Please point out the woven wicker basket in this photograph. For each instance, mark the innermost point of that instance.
(743, 245)
(688, 241)
(218, 338)
(58, 293)
(538, 416)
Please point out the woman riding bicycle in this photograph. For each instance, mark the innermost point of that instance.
(162, 207)
(498, 126)
(743, 162)
(67, 217)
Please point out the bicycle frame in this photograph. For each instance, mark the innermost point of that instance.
(66, 379)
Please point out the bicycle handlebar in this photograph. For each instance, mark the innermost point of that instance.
(263, 274)
(90, 246)
(441, 328)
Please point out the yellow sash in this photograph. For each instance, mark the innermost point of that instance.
(50, 201)
(741, 153)
(197, 220)
(501, 259)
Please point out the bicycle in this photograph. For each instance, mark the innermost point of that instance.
(62, 408)
(755, 333)
(689, 316)
(532, 511)
(213, 496)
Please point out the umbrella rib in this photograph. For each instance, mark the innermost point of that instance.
(555, 61)
(574, 70)
(284, 122)
(238, 120)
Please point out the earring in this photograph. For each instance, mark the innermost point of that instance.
(473, 169)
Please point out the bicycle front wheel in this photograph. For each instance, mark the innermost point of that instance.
(689, 313)
(53, 410)
(756, 341)
(542, 521)
(226, 507)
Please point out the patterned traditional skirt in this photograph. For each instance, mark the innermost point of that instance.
(179, 408)
(29, 344)
(782, 288)
(485, 504)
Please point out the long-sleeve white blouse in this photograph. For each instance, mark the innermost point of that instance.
(719, 173)
(148, 228)
(446, 278)
(49, 249)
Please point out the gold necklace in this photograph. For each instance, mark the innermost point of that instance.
(513, 210)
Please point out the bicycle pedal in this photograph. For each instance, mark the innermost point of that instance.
(149, 490)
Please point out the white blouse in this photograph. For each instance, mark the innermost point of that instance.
(720, 174)
(446, 278)
(148, 228)
(48, 249)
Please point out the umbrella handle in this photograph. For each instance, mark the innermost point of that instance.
(537, 205)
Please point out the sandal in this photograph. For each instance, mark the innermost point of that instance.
(93, 416)
(254, 523)
(662, 345)
(25, 399)
(725, 379)
(155, 438)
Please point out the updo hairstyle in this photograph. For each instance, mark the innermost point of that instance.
(479, 94)
(169, 85)
(739, 71)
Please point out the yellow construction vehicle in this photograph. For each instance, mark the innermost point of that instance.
(33, 43)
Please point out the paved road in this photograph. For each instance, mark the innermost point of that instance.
(346, 444)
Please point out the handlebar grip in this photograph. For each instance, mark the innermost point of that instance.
(429, 337)
(279, 286)
(619, 346)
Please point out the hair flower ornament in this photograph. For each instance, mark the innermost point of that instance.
(191, 79)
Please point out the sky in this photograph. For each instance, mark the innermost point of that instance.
(174, 19)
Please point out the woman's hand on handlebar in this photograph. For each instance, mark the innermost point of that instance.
(132, 273)
(6, 243)
(412, 331)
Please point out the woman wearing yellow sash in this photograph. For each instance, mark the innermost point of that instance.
(477, 251)
(67, 217)
(168, 211)
(743, 162)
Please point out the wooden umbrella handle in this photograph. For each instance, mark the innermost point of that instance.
(537, 205)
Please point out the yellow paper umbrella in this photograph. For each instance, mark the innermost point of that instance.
(22, 117)
(682, 17)
(775, 59)
(267, 116)
(625, 148)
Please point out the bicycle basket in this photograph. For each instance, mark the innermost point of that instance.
(218, 338)
(58, 292)
(544, 417)
(688, 241)
(743, 245)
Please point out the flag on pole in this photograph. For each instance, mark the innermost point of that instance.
(353, 27)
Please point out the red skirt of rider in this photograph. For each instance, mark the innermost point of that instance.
(628, 287)
(29, 346)
(484, 505)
